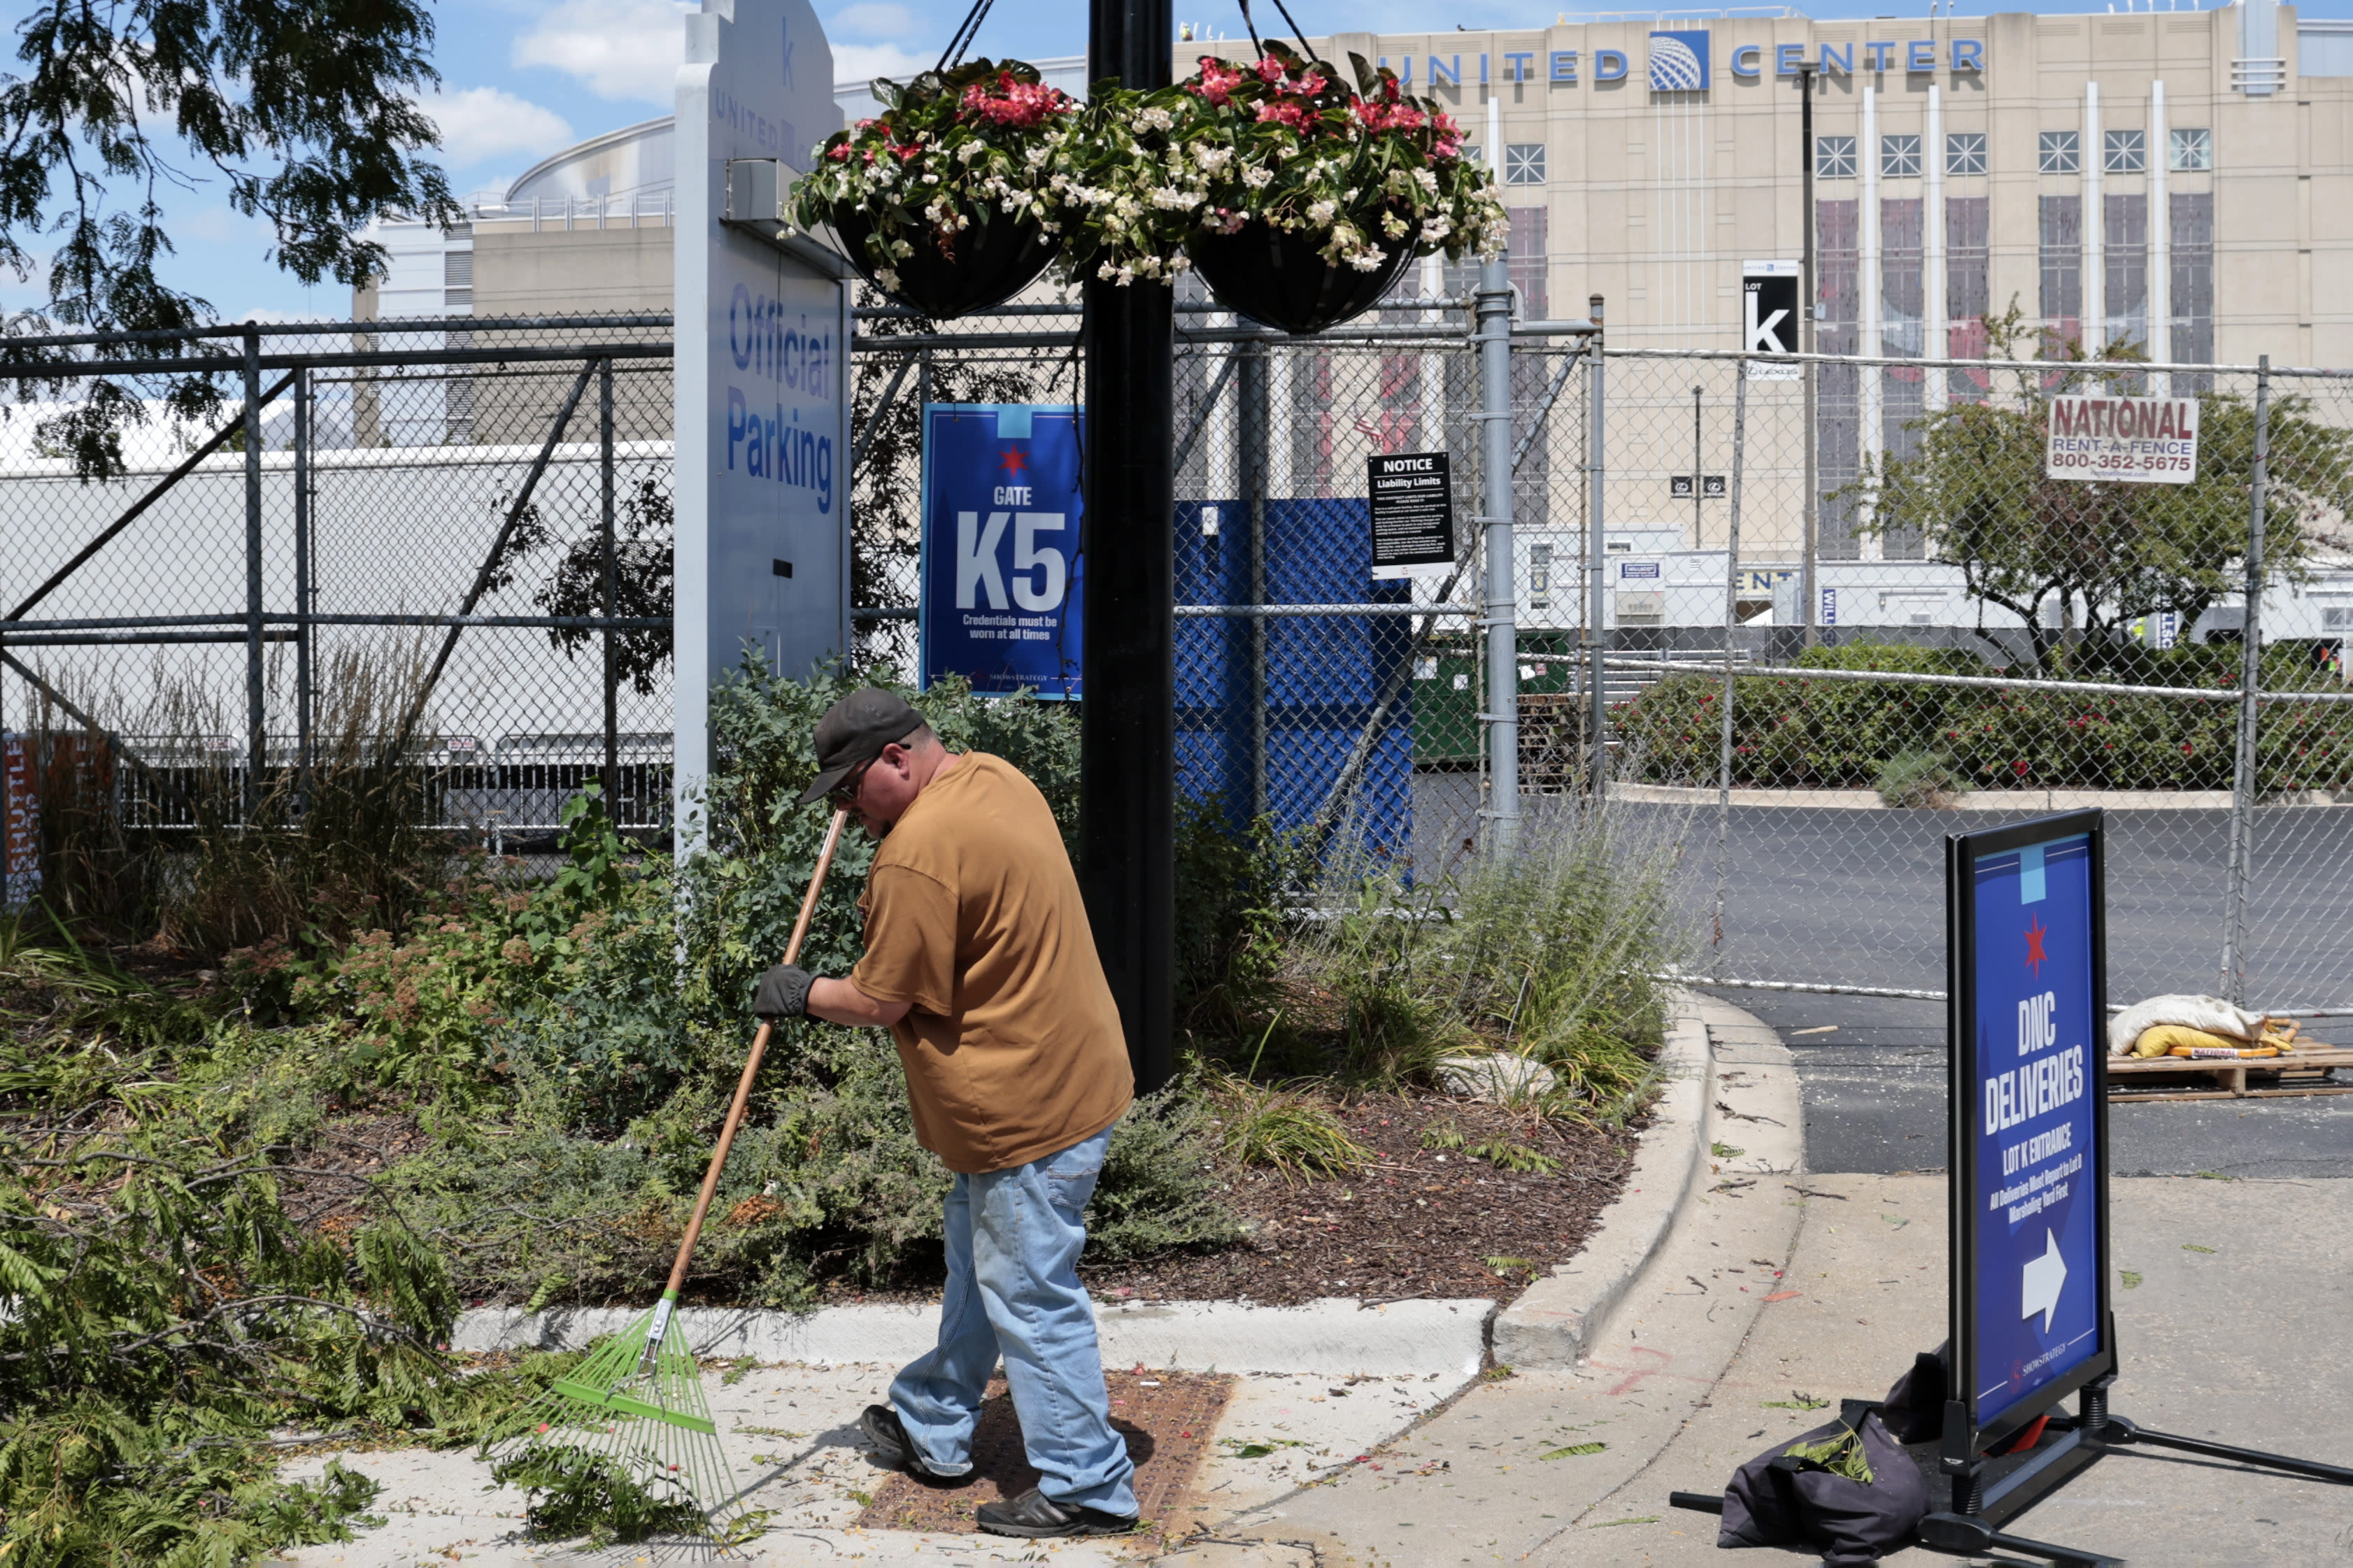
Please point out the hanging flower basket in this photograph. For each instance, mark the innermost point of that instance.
(1281, 277)
(1299, 198)
(945, 201)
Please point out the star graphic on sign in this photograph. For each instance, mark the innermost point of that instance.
(2035, 956)
(1013, 463)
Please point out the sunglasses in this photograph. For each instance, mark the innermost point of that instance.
(845, 793)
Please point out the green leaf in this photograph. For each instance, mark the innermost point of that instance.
(1575, 1451)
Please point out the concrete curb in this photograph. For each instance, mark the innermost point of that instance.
(1334, 1337)
(1553, 1323)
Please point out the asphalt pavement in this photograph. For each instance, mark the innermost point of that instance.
(1872, 1073)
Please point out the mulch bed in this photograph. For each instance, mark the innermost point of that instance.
(1418, 1222)
(1167, 1417)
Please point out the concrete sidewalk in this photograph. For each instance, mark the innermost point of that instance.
(2231, 1305)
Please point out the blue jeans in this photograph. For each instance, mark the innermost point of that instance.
(1013, 1241)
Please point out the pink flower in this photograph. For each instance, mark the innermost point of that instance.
(1017, 105)
(1218, 82)
(1295, 116)
(1386, 116)
(1269, 70)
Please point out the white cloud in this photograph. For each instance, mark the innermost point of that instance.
(481, 122)
(874, 18)
(620, 48)
(864, 62)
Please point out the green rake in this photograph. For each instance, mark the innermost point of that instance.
(626, 1442)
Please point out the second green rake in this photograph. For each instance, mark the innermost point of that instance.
(627, 1434)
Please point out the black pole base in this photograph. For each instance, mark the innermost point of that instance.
(1967, 1534)
(1977, 1527)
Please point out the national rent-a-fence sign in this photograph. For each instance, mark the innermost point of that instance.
(2129, 440)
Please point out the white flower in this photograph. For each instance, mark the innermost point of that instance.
(1212, 159)
(1183, 263)
(1257, 176)
(1435, 229)
(1393, 225)
(972, 150)
(887, 276)
(1155, 118)
(1036, 157)
(931, 179)
(1322, 213)
(1368, 259)
(1171, 200)
(1427, 179)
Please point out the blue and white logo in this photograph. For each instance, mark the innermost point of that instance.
(1679, 62)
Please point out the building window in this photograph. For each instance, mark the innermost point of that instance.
(1899, 157)
(1964, 153)
(1524, 164)
(1473, 153)
(2125, 152)
(2193, 151)
(2058, 155)
(1834, 157)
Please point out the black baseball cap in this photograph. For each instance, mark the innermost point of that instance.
(853, 733)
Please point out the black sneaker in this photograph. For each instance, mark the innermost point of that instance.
(881, 1425)
(1035, 1516)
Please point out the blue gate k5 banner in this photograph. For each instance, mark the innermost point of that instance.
(1000, 565)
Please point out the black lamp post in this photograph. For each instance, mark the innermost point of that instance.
(1127, 766)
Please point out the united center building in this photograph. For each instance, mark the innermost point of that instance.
(2178, 179)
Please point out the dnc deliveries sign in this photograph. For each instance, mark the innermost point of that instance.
(2030, 1145)
(1000, 571)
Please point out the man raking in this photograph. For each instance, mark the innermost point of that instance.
(980, 963)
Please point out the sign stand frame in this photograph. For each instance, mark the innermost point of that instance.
(1988, 1491)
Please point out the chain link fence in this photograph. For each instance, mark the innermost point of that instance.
(1806, 697)
(1981, 642)
(449, 540)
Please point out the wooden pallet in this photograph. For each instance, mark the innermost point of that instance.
(2306, 1072)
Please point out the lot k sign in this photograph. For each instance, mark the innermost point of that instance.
(2129, 440)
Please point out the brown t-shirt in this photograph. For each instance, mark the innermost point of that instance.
(1012, 1043)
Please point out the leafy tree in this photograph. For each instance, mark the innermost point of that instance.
(306, 110)
(2050, 550)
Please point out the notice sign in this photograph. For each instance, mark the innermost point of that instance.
(1413, 512)
(2131, 440)
(1000, 596)
(2030, 1188)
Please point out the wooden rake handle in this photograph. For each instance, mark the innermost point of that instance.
(752, 1064)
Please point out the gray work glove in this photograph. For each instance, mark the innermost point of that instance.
(783, 994)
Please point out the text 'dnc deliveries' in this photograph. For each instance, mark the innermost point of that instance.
(2129, 440)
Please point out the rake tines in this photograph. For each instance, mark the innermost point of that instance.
(622, 1446)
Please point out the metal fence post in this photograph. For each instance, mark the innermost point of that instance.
(1597, 473)
(257, 742)
(1731, 622)
(303, 674)
(1494, 310)
(2250, 662)
(1254, 416)
(612, 781)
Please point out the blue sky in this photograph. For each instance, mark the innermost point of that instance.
(524, 78)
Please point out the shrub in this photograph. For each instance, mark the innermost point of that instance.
(1790, 732)
(1917, 779)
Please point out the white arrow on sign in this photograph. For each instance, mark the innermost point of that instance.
(2041, 1280)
